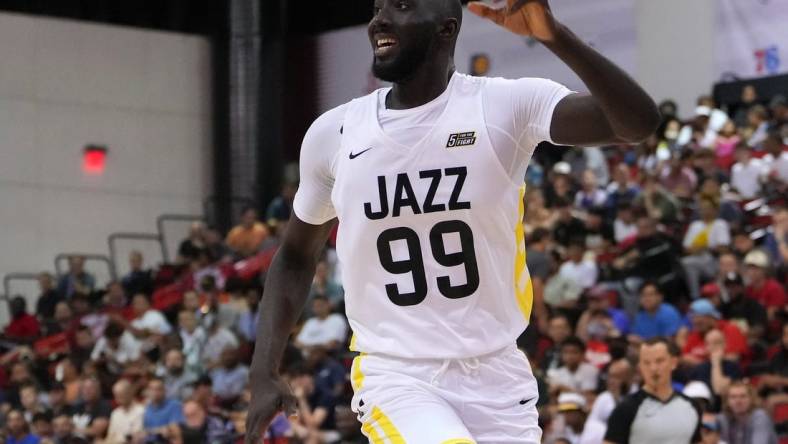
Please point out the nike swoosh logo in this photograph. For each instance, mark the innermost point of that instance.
(353, 156)
(524, 401)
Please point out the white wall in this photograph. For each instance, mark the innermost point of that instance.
(673, 47)
(676, 49)
(65, 84)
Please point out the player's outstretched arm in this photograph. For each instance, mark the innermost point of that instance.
(617, 108)
(286, 290)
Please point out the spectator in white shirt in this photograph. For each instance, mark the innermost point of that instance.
(325, 329)
(758, 120)
(705, 236)
(574, 375)
(148, 321)
(116, 348)
(775, 161)
(619, 384)
(150, 325)
(193, 338)
(577, 268)
(624, 226)
(219, 339)
(746, 173)
(126, 418)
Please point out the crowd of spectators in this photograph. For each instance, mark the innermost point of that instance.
(684, 237)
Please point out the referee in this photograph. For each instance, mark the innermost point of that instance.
(656, 414)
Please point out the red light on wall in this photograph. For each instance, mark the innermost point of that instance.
(94, 159)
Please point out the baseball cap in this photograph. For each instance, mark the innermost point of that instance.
(562, 168)
(569, 401)
(697, 389)
(703, 307)
(757, 258)
(703, 111)
(710, 289)
(600, 292)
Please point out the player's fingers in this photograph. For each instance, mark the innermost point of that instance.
(496, 15)
(289, 405)
(515, 5)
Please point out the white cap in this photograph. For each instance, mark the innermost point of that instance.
(757, 258)
(569, 401)
(562, 168)
(703, 111)
(697, 389)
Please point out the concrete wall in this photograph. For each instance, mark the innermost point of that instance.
(676, 49)
(65, 84)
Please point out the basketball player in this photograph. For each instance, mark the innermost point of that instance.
(426, 181)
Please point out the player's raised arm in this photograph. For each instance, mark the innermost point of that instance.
(286, 290)
(617, 108)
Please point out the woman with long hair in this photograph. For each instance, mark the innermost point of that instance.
(742, 421)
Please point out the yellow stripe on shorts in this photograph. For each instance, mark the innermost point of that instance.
(389, 431)
(459, 441)
(356, 375)
(524, 291)
(371, 433)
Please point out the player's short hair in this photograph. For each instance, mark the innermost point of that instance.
(574, 341)
(673, 349)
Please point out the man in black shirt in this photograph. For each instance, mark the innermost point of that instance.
(49, 297)
(567, 227)
(741, 309)
(92, 412)
(201, 428)
(656, 413)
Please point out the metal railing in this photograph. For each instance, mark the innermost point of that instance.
(115, 237)
(63, 257)
(161, 220)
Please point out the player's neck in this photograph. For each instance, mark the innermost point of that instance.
(425, 85)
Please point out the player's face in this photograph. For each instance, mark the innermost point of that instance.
(656, 364)
(402, 32)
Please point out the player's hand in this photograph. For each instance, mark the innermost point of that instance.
(269, 397)
(523, 17)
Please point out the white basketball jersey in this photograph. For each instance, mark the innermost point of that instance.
(430, 239)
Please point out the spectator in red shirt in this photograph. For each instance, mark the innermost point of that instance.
(704, 319)
(762, 288)
(24, 327)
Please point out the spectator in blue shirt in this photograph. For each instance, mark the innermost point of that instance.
(77, 280)
(249, 320)
(656, 317)
(329, 374)
(161, 414)
(231, 377)
(18, 431)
